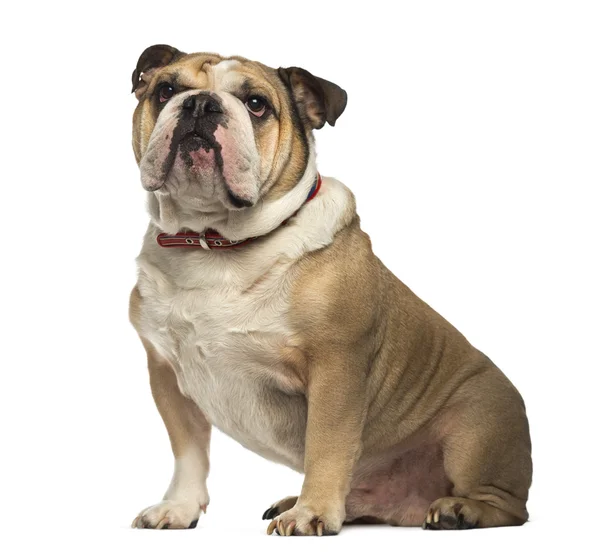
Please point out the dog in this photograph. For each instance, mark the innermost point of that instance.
(265, 313)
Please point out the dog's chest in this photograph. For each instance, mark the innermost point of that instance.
(226, 337)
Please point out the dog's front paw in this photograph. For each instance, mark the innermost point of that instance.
(305, 520)
(169, 514)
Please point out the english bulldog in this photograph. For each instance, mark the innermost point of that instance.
(265, 313)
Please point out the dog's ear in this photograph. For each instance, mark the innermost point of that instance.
(318, 100)
(153, 58)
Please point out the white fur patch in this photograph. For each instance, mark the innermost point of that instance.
(220, 317)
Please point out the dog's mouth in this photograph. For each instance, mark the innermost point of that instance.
(200, 139)
(199, 152)
(189, 136)
(197, 141)
(205, 159)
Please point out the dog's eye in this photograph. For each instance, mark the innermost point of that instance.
(256, 105)
(165, 91)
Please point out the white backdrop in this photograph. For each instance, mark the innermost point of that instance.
(471, 141)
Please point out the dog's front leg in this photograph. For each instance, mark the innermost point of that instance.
(336, 413)
(189, 433)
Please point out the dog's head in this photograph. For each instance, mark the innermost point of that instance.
(220, 133)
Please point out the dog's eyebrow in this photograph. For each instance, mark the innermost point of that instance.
(171, 78)
(175, 79)
(179, 82)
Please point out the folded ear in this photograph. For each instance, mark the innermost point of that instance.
(318, 100)
(153, 58)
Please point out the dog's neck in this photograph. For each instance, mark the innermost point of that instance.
(237, 225)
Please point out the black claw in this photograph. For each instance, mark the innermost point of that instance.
(166, 526)
(193, 524)
(271, 513)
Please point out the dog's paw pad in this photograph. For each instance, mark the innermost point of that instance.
(168, 515)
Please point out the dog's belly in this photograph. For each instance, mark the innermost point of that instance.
(226, 349)
(397, 486)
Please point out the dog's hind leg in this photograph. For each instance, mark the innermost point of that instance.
(487, 458)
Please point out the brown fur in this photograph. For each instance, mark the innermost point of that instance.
(396, 373)
(406, 422)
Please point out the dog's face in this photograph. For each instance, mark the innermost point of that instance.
(218, 133)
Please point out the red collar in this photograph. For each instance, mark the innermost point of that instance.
(211, 240)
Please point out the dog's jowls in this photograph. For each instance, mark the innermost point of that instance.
(301, 345)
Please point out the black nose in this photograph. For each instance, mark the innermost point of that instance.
(202, 104)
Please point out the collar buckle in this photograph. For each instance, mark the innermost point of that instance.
(202, 241)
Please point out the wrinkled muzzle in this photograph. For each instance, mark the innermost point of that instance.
(203, 146)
